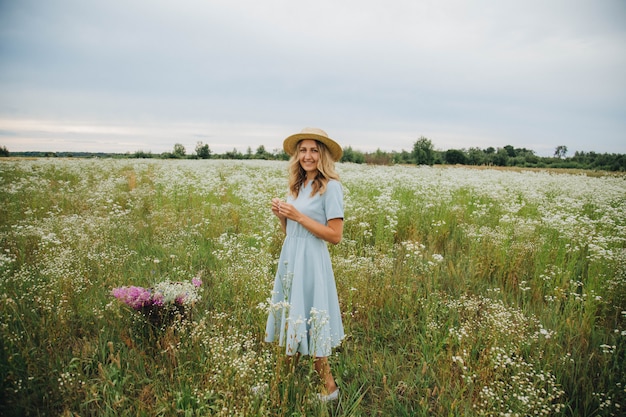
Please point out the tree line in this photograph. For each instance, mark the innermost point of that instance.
(422, 153)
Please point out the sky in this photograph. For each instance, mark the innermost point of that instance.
(143, 75)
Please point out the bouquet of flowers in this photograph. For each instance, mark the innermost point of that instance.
(162, 302)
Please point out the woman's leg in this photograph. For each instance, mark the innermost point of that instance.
(292, 361)
(322, 367)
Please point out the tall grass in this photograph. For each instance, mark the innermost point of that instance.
(464, 292)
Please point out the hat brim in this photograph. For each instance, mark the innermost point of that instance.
(290, 144)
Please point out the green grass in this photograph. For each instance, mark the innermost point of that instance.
(464, 292)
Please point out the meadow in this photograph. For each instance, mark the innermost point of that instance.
(465, 292)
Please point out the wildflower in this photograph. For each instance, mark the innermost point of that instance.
(546, 333)
(134, 297)
(162, 294)
(176, 292)
(607, 348)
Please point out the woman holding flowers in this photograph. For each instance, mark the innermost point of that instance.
(307, 319)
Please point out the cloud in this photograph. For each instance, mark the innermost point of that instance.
(511, 72)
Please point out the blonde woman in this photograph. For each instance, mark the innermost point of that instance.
(308, 319)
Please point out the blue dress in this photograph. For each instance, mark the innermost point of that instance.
(304, 312)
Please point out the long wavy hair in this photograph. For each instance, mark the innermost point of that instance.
(325, 171)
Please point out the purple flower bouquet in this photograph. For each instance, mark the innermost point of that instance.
(163, 302)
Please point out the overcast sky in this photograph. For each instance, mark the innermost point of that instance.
(123, 76)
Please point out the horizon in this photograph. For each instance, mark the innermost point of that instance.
(190, 152)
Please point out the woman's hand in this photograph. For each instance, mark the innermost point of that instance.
(288, 211)
(276, 207)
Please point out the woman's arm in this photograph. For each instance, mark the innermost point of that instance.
(332, 233)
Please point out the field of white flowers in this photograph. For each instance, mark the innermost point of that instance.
(464, 291)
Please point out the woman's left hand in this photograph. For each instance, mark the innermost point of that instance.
(288, 210)
(276, 203)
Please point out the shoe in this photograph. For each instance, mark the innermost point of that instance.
(330, 397)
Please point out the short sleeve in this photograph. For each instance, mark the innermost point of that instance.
(333, 200)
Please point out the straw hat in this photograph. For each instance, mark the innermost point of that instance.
(289, 145)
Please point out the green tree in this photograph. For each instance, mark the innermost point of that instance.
(501, 158)
(510, 150)
(529, 156)
(203, 151)
(560, 151)
(475, 156)
(350, 155)
(423, 151)
(402, 157)
(281, 155)
(378, 158)
(179, 151)
(455, 156)
(234, 154)
(261, 153)
(4, 151)
(141, 154)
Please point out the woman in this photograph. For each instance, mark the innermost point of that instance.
(306, 318)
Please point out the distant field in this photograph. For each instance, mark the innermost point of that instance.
(465, 291)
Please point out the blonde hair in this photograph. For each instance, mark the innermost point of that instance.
(325, 171)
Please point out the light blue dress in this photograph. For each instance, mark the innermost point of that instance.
(304, 312)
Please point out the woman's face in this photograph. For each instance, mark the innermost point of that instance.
(309, 155)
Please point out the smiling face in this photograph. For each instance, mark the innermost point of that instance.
(309, 156)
